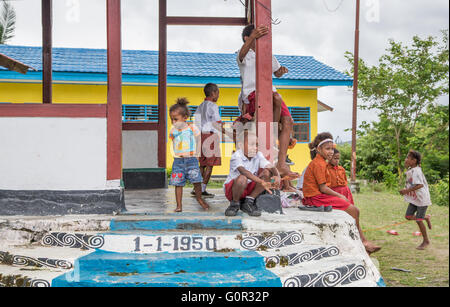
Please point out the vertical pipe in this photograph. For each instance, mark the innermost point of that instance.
(355, 92)
(162, 85)
(47, 43)
(264, 102)
(114, 99)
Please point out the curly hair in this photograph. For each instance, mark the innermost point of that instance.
(415, 155)
(181, 107)
(319, 138)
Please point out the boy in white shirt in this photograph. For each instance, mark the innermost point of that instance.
(417, 195)
(208, 120)
(250, 175)
(246, 60)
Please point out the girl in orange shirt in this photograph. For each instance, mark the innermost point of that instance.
(339, 182)
(317, 181)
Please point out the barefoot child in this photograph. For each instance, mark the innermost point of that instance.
(246, 60)
(316, 190)
(185, 165)
(338, 177)
(250, 175)
(209, 122)
(417, 195)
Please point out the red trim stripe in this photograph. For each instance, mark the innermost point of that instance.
(53, 110)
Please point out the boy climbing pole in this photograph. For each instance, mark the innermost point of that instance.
(246, 60)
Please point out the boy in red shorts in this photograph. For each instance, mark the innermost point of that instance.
(246, 60)
(250, 175)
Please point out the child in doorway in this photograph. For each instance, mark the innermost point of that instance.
(209, 122)
(250, 175)
(338, 177)
(246, 59)
(417, 195)
(185, 164)
(316, 190)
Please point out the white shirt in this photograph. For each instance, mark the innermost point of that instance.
(248, 75)
(207, 114)
(253, 165)
(420, 197)
(301, 180)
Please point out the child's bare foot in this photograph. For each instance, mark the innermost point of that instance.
(371, 248)
(204, 205)
(428, 220)
(178, 210)
(423, 246)
(285, 171)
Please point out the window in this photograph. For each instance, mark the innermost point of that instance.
(302, 124)
(139, 113)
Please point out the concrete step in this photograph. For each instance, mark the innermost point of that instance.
(170, 222)
(45, 258)
(248, 278)
(121, 263)
(334, 272)
(11, 276)
(294, 255)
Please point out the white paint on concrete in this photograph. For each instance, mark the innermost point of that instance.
(52, 153)
(140, 149)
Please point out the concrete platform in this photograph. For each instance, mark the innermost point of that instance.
(163, 248)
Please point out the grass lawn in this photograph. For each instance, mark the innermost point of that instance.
(380, 211)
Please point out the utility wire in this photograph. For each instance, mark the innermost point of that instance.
(332, 10)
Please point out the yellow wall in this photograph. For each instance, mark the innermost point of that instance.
(67, 93)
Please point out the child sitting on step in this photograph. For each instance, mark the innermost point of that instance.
(185, 164)
(417, 195)
(250, 175)
(316, 185)
(338, 177)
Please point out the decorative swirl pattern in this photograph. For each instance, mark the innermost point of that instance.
(73, 240)
(24, 261)
(40, 283)
(315, 254)
(340, 276)
(275, 241)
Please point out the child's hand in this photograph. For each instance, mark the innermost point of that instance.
(403, 192)
(277, 182)
(260, 32)
(281, 72)
(267, 186)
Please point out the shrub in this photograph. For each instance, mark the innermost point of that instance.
(440, 192)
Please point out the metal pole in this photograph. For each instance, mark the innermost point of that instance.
(114, 96)
(264, 104)
(47, 51)
(355, 93)
(162, 85)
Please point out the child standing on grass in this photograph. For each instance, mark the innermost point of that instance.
(317, 194)
(417, 195)
(185, 164)
(338, 177)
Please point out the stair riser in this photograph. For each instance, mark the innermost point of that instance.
(175, 265)
(177, 224)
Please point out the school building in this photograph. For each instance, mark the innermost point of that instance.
(80, 76)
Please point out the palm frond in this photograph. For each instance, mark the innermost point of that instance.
(7, 21)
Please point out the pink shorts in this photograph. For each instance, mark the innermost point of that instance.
(326, 201)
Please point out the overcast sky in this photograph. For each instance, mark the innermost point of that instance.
(320, 28)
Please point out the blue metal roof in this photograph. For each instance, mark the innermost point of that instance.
(140, 63)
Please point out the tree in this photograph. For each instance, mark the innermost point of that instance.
(405, 82)
(7, 21)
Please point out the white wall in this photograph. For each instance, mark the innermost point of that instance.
(140, 149)
(52, 153)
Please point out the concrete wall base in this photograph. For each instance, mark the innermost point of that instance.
(44, 203)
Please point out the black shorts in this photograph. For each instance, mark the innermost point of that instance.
(420, 212)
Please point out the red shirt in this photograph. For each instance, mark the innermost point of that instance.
(338, 176)
(316, 174)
